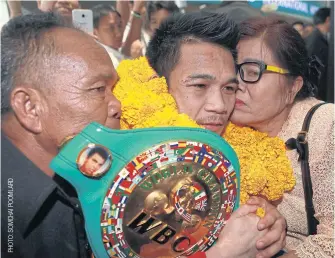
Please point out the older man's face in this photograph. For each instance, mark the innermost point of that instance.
(64, 8)
(204, 84)
(78, 90)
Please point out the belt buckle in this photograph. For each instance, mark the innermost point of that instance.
(302, 137)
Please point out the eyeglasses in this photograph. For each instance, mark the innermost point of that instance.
(251, 72)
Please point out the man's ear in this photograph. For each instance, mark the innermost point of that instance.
(28, 107)
(295, 88)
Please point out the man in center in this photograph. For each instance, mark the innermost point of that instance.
(196, 53)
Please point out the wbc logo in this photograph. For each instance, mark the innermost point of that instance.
(171, 200)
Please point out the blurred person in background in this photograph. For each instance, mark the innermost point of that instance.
(135, 30)
(156, 13)
(109, 30)
(63, 8)
(308, 30)
(299, 27)
(317, 44)
(276, 72)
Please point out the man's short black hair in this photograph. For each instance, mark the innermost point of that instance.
(298, 23)
(24, 46)
(321, 15)
(102, 10)
(163, 51)
(98, 150)
(154, 6)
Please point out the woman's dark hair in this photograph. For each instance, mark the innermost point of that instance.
(288, 48)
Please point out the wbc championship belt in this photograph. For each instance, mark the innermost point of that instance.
(158, 192)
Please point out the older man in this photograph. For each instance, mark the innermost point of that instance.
(55, 80)
(196, 53)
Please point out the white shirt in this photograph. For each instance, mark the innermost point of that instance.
(115, 55)
(4, 13)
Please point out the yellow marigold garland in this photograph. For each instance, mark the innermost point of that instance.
(265, 168)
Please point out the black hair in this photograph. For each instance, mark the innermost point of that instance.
(23, 47)
(163, 51)
(298, 23)
(288, 48)
(154, 6)
(99, 150)
(102, 10)
(321, 15)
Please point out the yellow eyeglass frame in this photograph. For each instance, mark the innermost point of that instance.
(262, 67)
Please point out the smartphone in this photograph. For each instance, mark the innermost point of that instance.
(83, 19)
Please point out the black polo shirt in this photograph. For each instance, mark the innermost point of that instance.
(40, 215)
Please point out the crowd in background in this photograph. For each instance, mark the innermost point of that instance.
(125, 29)
(316, 37)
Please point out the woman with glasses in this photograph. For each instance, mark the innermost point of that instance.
(277, 85)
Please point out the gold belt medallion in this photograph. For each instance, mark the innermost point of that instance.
(171, 200)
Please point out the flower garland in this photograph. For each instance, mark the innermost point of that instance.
(265, 168)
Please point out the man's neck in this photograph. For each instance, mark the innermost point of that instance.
(273, 125)
(27, 144)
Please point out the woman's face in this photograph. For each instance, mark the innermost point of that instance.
(260, 102)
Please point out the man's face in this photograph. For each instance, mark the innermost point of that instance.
(300, 28)
(204, 84)
(109, 31)
(78, 88)
(308, 30)
(327, 24)
(64, 8)
(93, 164)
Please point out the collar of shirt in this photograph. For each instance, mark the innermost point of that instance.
(115, 52)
